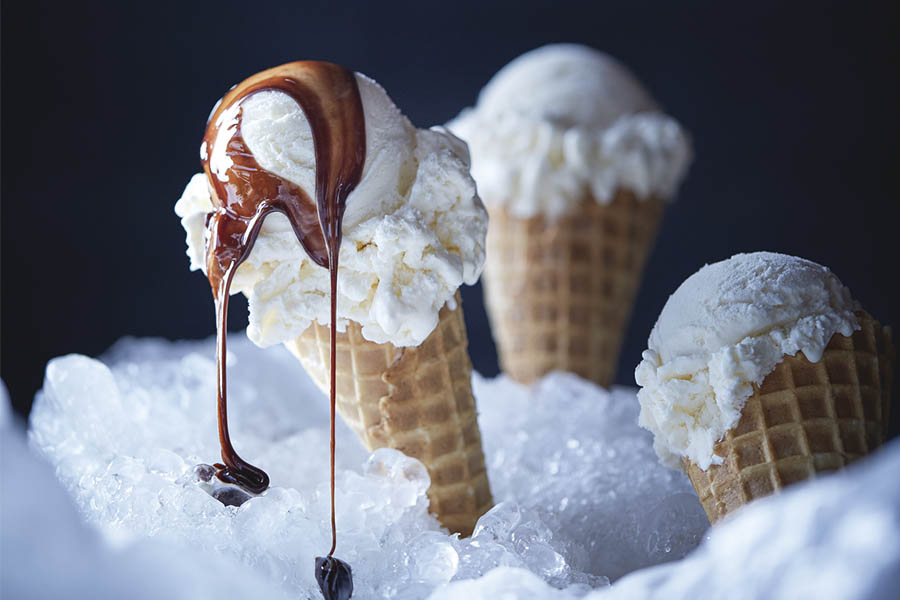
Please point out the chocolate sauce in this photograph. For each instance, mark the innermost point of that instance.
(245, 193)
(335, 578)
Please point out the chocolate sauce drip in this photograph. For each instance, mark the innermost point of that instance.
(245, 193)
(335, 578)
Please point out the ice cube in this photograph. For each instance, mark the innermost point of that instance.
(436, 560)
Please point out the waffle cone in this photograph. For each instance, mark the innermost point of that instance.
(804, 419)
(559, 295)
(417, 400)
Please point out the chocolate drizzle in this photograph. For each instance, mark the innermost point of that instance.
(244, 193)
(335, 578)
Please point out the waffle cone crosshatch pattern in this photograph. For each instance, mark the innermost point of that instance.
(417, 400)
(805, 419)
(559, 294)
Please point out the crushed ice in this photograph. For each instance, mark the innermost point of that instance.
(580, 496)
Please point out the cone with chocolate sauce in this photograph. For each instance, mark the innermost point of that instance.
(559, 294)
(415, 399)
(425, 396)
(805, 419)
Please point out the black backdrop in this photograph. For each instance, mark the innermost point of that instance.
(792, 107)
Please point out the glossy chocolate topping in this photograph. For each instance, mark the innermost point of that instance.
(244, 193)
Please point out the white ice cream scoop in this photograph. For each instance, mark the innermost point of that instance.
(413, 230)
(569, 84)
(564, 121)
(724, 329)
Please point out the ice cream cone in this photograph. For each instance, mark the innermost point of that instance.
(559, 295)
(804, 419)
(414, 399)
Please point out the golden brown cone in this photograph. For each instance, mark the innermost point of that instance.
(804, 419)
(559, 295)
(415, 399)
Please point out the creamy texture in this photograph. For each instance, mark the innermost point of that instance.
(724, 329)
(564, 121)
(413, 229)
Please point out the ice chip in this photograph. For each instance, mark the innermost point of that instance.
(498, 523)
(396, 466)
(203, 472)
(407, 478)
(436, 560)
(230, 495)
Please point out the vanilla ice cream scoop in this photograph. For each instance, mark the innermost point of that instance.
(413, 230)
(569, 84)
(723, 330)
(563, 121)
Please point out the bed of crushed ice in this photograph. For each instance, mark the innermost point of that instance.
(581, 499)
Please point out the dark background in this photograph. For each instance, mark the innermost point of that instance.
(792, 107)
